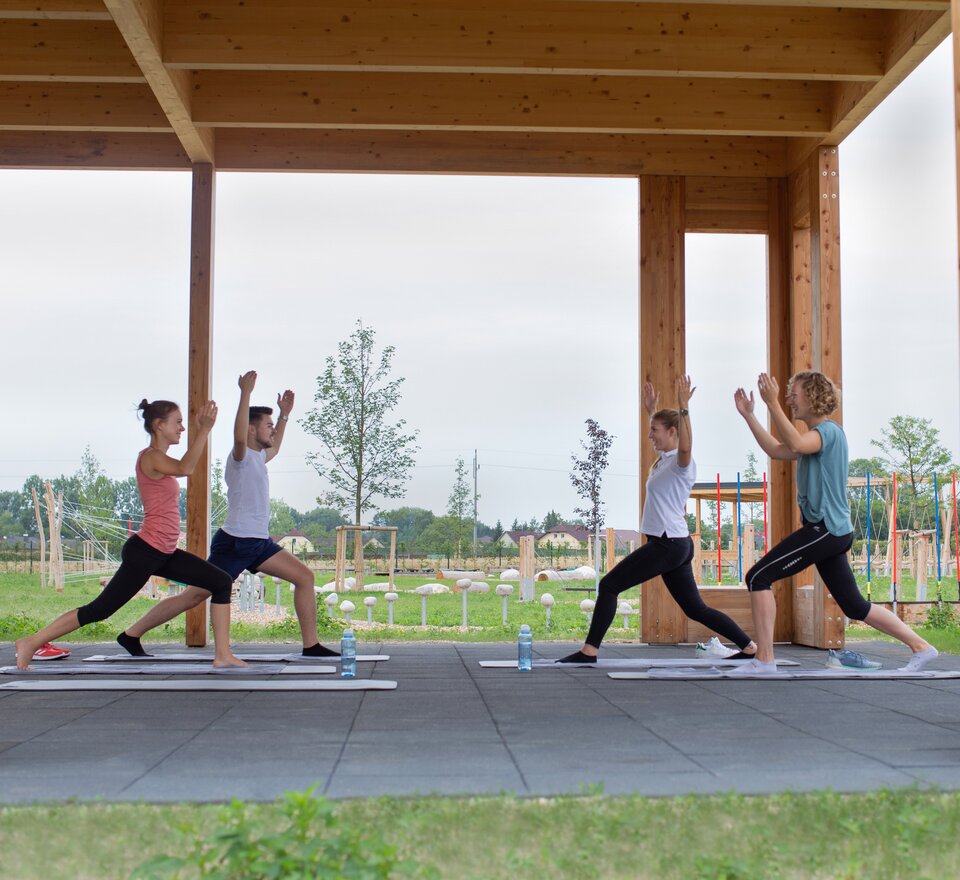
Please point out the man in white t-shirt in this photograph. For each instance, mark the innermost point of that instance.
(244, 542)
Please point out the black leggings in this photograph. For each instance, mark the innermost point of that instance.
(812, 544)
(669, 557)
(139, 562)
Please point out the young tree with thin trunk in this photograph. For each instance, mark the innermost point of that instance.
(364, 455)
(587, 473)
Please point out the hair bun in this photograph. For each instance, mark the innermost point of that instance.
(143, 404)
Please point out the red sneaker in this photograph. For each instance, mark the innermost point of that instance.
(50, 652)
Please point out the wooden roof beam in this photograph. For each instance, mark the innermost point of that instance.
(528, 36)
(56, 50)
(491, 152)
(59, 106)
(511, 103)
(83, 149)
(140, 23)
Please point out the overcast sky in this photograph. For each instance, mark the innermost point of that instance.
(512, 304)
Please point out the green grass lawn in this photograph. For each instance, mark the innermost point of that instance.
(25, 607)
(726, 837)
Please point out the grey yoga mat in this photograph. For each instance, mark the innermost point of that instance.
(625, 663)
(692, 674)
(168, 669)
(250, 658)
(211, 683)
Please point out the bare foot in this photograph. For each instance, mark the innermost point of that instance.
(228, 660)
(24, 653)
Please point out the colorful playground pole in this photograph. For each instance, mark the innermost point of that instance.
(719, 542)
(936, 514)
(893, 580)
(764, 512)
(956, 534)
(869, 526)
(739, 537)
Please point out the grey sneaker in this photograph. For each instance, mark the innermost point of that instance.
(850, 660)
(919, 660)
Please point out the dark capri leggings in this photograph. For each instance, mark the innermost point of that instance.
(139, 561)
(670, 558)
(812, 544)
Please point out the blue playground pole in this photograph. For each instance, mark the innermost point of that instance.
(739, 536)
(936, 514)
(869, 529)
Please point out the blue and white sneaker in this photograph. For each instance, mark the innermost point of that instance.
(847, 659)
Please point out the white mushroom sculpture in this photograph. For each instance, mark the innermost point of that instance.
(464, 586)
(370, 601)
(330, 601)
(504, 591)
(547, 600)
(347, 607)
(424, 591)
(391, 598)
(625, 609)
(587, 606)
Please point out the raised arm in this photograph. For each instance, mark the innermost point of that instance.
(651, 397)
(241, 423)
(768, 443)
(685, 430)
(798, 442)
(284, 405)
(156, 463)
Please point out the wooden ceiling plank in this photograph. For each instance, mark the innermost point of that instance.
(139, 21)
(444, 152)
(78, 106)
(64, 10)
(55, 50)
(107, 150)
(544, 36)
(522, 103)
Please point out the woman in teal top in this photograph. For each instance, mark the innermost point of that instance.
(827, 532)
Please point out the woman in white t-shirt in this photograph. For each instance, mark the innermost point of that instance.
(668, 550)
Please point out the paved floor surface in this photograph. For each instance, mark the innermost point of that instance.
(454, 728)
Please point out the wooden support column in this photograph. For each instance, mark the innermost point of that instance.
(955, 21)
(200, 377)
(804, 333)
(662, 354)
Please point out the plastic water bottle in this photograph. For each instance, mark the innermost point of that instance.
(348, 655)
(525, 649)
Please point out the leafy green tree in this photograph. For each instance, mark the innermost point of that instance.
(409, 521)
(497, 531)
(128, 505)
(458, 502)
(911, 448)
(552, 519)
(363, 455)
(218, 496)
(283, 518)
(440, 537)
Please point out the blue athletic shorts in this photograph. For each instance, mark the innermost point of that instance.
(234, 555)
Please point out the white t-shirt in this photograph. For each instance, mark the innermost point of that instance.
(248, 495)
(668, 490)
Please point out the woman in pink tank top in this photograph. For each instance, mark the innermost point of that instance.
(153, 549)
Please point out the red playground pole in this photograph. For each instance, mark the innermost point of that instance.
(764, 512)
(719, 542)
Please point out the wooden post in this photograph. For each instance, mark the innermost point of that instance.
(200, 377)
(920, 557)
(662, 354)
(749, 548)
(43, 563)
(804, 333)
(527, 572)
(955, 27)
(611, 549)
(393, 556)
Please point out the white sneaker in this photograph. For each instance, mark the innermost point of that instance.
(919, 660)
(753, 669)
(714, 648)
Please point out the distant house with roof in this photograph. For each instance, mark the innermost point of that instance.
(562, 535)
(294, 541)
(512, 538)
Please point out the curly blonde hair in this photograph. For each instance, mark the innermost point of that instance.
(823, 394)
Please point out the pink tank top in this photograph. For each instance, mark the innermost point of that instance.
(161, 510)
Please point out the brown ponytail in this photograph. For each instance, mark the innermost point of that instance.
(669, 418)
